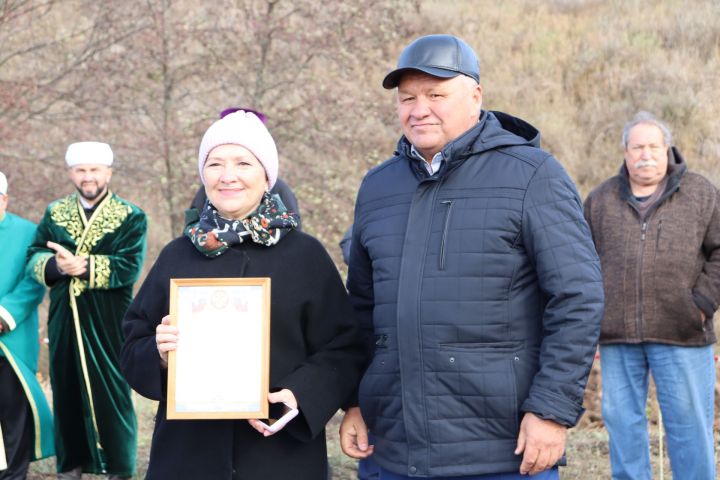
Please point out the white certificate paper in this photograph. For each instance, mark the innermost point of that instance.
(220, 367)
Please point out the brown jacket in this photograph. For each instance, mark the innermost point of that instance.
(661, 271)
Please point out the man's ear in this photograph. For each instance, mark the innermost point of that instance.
(477, 97)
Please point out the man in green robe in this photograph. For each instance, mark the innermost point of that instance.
(89, 250)
(25, 418)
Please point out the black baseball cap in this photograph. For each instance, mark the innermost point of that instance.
(443, 56)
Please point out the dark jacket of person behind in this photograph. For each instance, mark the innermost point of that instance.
(485, 294)
(669, 259)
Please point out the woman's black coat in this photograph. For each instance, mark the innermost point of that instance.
(315, 352)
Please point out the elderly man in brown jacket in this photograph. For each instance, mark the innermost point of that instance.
(656, 227)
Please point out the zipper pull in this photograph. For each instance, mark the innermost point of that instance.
(643, 230)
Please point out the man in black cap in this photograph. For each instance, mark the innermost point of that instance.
(475, 278)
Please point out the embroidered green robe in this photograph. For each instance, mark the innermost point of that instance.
(95, 424)
(19, 344)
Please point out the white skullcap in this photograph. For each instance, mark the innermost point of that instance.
(94, 153)
(3, 184)
(244, 129)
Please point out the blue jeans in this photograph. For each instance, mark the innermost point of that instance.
(551, 474)
(685, 381)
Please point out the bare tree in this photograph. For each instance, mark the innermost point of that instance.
(303, 66)
(148, 76)
(315, 72)
(159, 90)
(49, 58)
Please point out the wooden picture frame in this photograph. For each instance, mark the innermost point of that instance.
(221, 366)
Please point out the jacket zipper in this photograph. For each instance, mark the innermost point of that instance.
(639, 283)
(446, 227)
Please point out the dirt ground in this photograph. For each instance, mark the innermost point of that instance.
(587, 452)
(587, 449)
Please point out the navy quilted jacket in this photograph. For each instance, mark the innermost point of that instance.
(481, 292)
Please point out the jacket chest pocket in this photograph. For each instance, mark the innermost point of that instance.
(466, 229)
(677, 236)
(444, 232)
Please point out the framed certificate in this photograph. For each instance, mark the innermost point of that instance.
(220, 368)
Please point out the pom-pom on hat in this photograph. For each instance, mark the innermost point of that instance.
(94, 153)
(3, 184)
(247, 130)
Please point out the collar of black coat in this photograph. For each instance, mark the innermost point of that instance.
(494, 130)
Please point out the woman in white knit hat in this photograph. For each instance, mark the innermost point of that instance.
(281, 188)
(315, 352)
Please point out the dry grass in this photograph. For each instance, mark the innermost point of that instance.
(579, 69)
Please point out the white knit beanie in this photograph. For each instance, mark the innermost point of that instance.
(94, 153)
(244, 129)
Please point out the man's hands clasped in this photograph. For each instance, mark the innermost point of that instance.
(67, 262)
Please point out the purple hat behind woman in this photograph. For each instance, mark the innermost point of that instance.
(230, 110)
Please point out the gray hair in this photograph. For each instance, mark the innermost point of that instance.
(649, 119)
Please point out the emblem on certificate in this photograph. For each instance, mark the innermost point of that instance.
(220, 368)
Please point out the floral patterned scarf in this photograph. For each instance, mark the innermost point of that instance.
(212, 235)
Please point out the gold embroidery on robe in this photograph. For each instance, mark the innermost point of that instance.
(39, 267)
(108, 217)
(100, 275)
(77, 286)
(65, 213)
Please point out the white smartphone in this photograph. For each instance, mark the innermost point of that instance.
(282, 421)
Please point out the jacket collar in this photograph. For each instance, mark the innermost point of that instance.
(494, 130)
